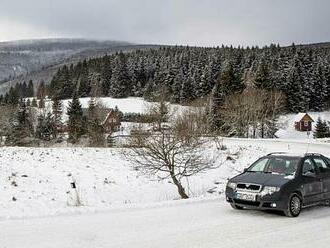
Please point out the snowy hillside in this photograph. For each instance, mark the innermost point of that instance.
(36, 182)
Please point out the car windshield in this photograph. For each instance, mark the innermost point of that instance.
(276, 165)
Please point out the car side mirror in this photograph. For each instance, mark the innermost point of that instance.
(310, 174)
(245, 170)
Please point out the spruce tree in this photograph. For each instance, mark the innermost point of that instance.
(21, 127)
(46, 129)
(57, 113)
(95, 129)
(120, 81)
(216, 100)
(34, 103)
(75, 123)
(321, 129)
(30, 89)
(106, 75)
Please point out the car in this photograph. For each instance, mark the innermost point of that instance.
(283, 182)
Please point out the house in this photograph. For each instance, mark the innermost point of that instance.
(303, 122)
(111, 122)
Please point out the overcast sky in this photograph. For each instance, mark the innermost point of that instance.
(193, 22)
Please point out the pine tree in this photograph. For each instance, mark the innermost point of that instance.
(95, 129)
(321, 129)
(75, 123)
(46, 129)
(83, 86)
(21, 127)
(318, 99)
(30, 89)
(120, 81)
(57, 113)
(187, 91)
(41, 92)
(34, 103)
(106, 75)
(230, 83)
(295, 97)
(217, 99)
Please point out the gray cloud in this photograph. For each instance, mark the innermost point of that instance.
(193, 22)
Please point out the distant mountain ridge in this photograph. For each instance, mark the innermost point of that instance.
(39, 59)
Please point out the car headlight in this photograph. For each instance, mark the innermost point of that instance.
(268, 190)
(231, 185)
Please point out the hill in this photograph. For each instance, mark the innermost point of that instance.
(40, 59)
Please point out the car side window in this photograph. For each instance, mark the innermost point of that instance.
(321, 165)
(308, 167)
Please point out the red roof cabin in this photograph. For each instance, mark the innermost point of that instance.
(303, 122)
(112, 121)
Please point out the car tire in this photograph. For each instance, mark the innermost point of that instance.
(234, 206)
(294, 206)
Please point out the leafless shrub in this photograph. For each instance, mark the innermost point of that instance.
(166, 155)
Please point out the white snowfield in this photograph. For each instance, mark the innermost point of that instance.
(123, 208)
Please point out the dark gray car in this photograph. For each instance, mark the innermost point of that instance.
(282, 182)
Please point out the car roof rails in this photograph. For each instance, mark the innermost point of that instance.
(313, 154)
(274, 153)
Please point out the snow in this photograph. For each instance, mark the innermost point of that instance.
(186, 224)
(39, 178)
(122, 207)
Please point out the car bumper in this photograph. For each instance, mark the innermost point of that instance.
(268, 202)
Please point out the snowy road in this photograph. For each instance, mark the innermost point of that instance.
(197, 224)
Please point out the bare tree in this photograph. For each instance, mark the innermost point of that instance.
(166, 155)
(160, 110)
(253, 110)
(192, 122)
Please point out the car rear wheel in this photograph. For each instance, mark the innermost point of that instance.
(234, 206)
(294, 206)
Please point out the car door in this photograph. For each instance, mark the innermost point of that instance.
(324, 168)
(311, 182)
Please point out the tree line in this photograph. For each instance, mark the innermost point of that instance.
(301, 73)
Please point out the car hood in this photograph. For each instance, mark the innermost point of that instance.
(262, 178)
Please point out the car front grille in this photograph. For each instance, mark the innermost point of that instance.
(248, 203)
(249, 187)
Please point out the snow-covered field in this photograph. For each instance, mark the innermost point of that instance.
(123, 208)
(36, 182)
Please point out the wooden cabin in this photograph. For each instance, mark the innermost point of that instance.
(303, 122)
(111, 122)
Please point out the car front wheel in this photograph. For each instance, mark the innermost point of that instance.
(294, 206)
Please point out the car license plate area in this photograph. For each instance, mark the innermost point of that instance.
(245, 196)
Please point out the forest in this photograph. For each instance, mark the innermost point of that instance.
(302, 73)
